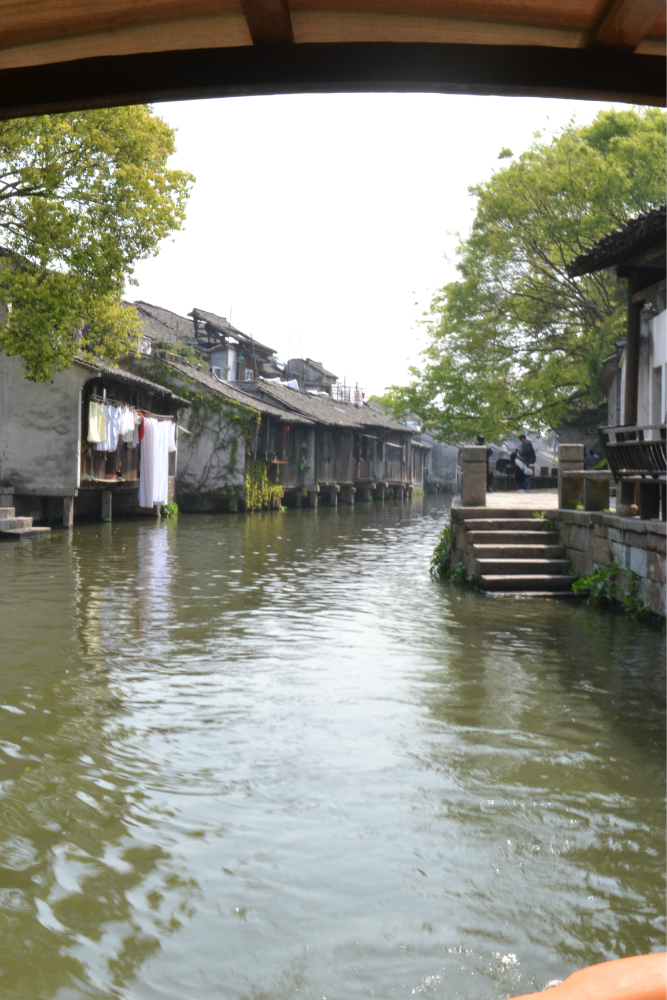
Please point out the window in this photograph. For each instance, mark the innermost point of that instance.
(218, 372)
(249, 375)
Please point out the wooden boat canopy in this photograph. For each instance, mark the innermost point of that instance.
(69, 54)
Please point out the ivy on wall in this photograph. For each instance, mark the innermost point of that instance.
(259, 490)
(229, 425)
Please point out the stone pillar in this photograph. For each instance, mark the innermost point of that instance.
(233, 505)
(364, 493)
(570, 459)
(68, 512)
(378, 493)
(297, 499)
(347, 494)
(106, 504)
(333, 492)
(473, 492)
(596, 492)
(400, 493)
(313, 496)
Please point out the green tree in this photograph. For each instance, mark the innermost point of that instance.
(515, 341)
(83, 197)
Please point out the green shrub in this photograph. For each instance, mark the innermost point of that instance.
(605, 584)
(169, 509)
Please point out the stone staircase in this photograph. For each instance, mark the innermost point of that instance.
(511, 553)
(15, 529)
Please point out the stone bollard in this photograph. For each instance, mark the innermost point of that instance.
(570, 459)
(473, 491)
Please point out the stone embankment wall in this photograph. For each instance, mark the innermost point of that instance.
(597, 538)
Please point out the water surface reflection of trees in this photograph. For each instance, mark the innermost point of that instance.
(548, 722)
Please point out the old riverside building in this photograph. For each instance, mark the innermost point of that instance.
(244, 431)
(49, 466)
(287, 433)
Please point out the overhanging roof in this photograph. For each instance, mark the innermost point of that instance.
(68, 54)
(625, 244)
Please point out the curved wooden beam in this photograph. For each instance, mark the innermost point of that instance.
(626, 23)
(514, 70)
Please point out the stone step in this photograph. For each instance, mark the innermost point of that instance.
(18, 534)
(494, 512)
(525, 582)
(519, 551)
(513, 537)
(6, 512)
(505, 524)
(521, 567)
(8, 523)
(528, 593)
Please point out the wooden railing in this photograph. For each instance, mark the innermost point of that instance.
(636, 453)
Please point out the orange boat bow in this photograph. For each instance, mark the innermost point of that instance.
(640, 978)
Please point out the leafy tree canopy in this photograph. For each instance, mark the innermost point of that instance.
(515, 342)
(83, 197)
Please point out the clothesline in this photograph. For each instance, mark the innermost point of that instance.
(117, 402)
(156, 416)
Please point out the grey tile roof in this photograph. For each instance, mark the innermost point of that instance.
(317, 365)
(637, 235)
(162, 324)
(323, 409)
(231, 392)
(105, 368)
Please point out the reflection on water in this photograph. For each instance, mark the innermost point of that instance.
(266, 756)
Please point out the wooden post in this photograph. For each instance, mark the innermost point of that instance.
(106, 504)
(68, 512)
(649, 501)
(632, 352)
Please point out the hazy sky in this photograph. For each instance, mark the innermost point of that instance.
(322, 222)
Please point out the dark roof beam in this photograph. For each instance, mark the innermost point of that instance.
(648, 293)
(269, 21)
(626, 23)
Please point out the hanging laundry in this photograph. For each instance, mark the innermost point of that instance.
(112, 418)
(172, 434)
(126, 424)
(154, 470)
(97, 428)
(138, 419)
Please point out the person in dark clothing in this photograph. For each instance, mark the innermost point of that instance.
(526, 451)
(527, 456)
(513, 469)
(490, 478)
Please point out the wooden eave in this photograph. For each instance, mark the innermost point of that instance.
(68, 54)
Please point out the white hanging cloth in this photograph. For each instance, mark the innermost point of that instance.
(154, 471)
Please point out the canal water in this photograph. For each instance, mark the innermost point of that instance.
(267, 757)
